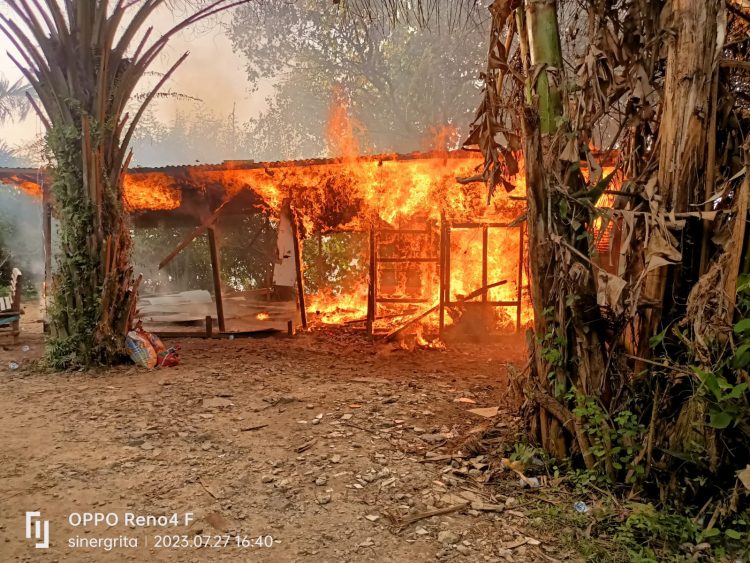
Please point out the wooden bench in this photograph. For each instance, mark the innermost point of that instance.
(10, 307)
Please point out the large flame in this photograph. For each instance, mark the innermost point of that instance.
(354, 193)
(349, 192)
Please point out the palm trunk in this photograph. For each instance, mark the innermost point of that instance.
(92, 293)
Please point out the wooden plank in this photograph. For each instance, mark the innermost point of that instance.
(216, 271)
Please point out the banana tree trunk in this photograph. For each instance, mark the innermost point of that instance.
(685, 137)
(545, 50)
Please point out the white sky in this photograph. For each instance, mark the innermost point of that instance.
(212, 72)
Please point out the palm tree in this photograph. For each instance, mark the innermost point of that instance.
(84, 59)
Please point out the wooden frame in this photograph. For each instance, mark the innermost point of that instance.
(372, 296)
(445, 269)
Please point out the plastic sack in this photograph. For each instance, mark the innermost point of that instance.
(140, 350)
(168, 358)
(155, 341)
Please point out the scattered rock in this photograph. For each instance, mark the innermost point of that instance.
(216, 402)
(487, 412)
(447, 537)
(433, 438)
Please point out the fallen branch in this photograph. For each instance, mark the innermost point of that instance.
(405, 522)
(391, 335)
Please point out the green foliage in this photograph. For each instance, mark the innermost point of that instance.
(649, 535)
(74, 344)
(613, 439)
(637, 532)
(401, 82)
(339, 268)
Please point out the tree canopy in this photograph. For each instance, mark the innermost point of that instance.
(402, 84)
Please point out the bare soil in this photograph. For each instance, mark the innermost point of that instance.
(320, 441)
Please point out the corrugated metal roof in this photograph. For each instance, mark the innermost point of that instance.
(252, 164)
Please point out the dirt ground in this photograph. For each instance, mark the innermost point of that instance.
(324, 442)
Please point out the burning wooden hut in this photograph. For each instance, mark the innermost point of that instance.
(384, 242)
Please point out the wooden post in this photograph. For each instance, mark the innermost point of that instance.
(519, 288)
(215, 268)
(47, 235)
(372, 283)
(209, 326)
(441, 296)
(298, 269)
(447, 264)
(485, 241)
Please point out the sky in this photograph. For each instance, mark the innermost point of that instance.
(213, 73)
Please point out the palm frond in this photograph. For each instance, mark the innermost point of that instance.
(13, 99)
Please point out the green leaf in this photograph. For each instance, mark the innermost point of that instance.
(654, 341)
(710, 533)
(741, 356)
(742, 326)
(720, 419)
(563, 208)
(737, 391)
(733, 534)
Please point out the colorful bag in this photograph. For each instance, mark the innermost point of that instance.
(168, 358)
(140, 350)
(153, 339)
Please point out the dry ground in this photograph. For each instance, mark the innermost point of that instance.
(318, 441)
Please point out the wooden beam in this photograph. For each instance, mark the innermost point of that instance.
(216, 271)
(207, 223)
(298, 268)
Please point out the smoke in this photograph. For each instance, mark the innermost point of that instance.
(20, 236)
